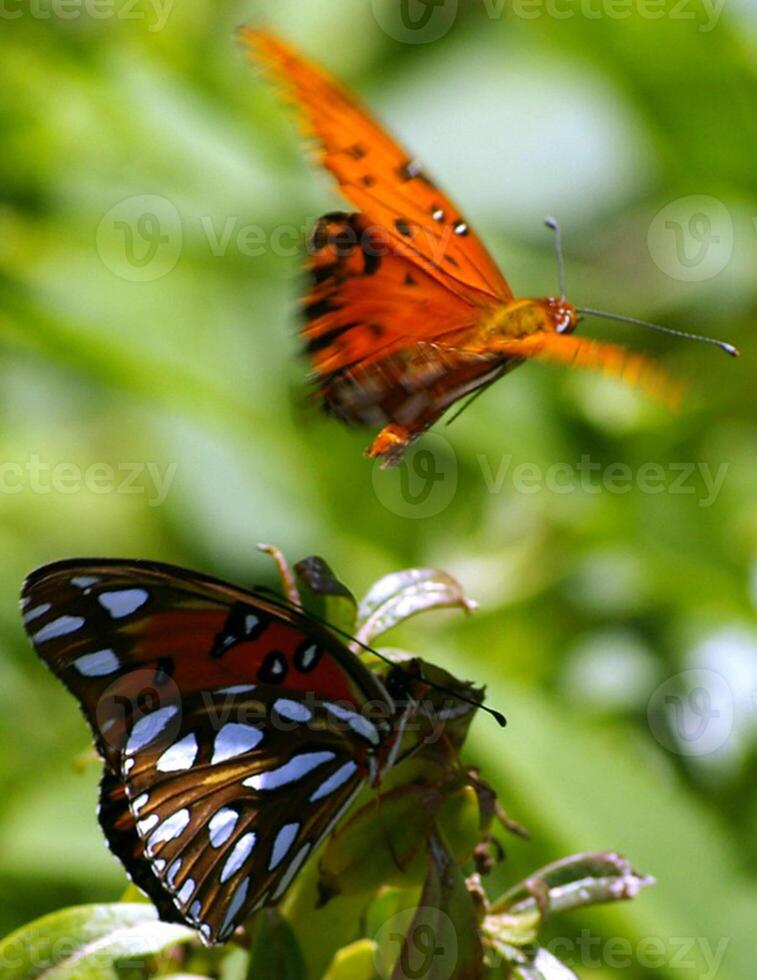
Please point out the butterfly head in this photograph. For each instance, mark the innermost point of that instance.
(432, 691)
(561, 316)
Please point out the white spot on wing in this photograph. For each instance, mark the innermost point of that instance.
(149, 727)
(179, 756)
(170, 829)
(239, 854)
(236, 689)
(146, 825)
(295, 865)
(334, 781)
(240, 897)
(84, 581)
(37, 611)
(58, 627)
(290, 772)
(98, 664)
(186, 892)
(172, 872)
(359, 725)
(234, 739)
(221, 825)
(123, 602)
(292, 710)
(283, 844)
(139, 802)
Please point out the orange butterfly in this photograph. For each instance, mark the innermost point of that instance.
(407, 311)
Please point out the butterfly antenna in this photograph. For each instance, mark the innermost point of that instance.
(276, 600)
(552, 223)
(728, 348)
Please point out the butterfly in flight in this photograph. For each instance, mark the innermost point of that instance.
(235, 730)
(407, 312)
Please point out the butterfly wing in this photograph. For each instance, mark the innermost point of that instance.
(380, 178)
(211, 706)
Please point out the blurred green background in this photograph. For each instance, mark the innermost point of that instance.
(153, 201)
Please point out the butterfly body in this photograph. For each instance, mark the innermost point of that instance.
(406, 311)
(234, 731)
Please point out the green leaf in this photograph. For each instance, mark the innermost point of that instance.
(440, 939)
(381, 844)
(323, 595)
(398, 596)
(87, 941)
(275, 951)
(354, 962)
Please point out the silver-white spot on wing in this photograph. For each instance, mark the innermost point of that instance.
(359, 725)
(139, 802)
(292, 710)
(84, 581)
(235, 905)
(234, 739)
(290, 772)
(123, 602)
(148, 728)
(179, 756)
(98, 664)
(146, 825)
(172, 872)
(36, 612)
(334, 781)
(239, 854)
(236, 689)
(221, 825)
(283, 844)
(61, 626)
(186, 891)
(171, 828)
(296, 863)
(194, 912)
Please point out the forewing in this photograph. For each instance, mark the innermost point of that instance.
(128, 637)
(379, 177)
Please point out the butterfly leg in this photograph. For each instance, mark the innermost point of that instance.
(391, 443)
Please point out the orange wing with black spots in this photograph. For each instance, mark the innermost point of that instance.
(380, 178)
(234, 731)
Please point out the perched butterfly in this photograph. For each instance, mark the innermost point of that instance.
(407, 311)
(234, 730)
